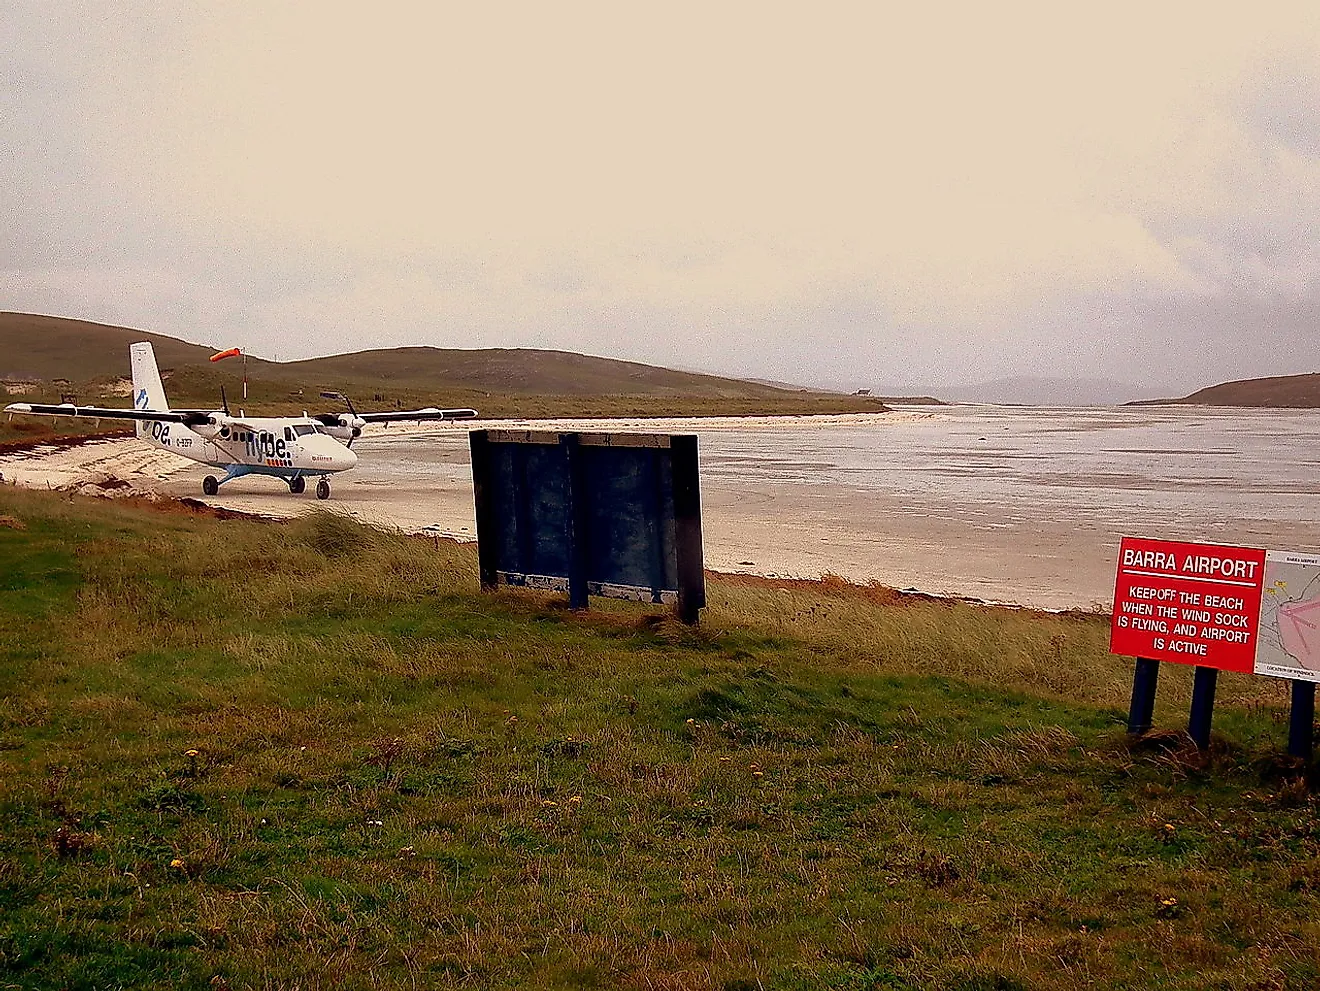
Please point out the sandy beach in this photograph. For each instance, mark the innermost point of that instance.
(914, 499)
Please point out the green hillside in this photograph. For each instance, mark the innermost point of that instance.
(524, 371)
(1279, 392)
(92, 358)
(46, 348)
(1302, 391)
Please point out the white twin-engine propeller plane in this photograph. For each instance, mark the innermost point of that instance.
(288, 448)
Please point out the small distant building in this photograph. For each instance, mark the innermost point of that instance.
(862, 392)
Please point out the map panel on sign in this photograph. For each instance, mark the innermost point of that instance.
(1288, 645)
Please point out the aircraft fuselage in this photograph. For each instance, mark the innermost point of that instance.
(282, 446)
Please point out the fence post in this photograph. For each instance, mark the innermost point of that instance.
(487, 518)
(579, 522)
(687, 527)
(1203, 705)
(1145, 680)
(1301, 723)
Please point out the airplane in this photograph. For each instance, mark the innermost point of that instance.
(289, 448)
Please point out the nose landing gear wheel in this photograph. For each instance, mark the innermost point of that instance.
(298, 485)
(210, 486)
(323, 489)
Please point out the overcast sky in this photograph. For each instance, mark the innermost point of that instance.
(828, 192)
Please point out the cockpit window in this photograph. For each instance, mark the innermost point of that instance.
(303, 429)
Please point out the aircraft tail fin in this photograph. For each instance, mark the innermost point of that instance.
(148, 391)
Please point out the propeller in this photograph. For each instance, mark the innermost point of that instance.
(343, 399)
(352, 423)
(224, 403)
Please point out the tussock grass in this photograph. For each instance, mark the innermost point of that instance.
(310, 755)
(1061, 656)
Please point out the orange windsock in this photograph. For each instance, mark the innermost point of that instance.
(231, 353)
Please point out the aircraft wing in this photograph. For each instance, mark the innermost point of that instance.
(101, 412)
(430, 413)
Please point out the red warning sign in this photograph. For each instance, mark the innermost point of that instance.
(1188, 603)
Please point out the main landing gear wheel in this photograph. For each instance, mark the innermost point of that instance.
(298, 485)
(323, 489)
(210, 485)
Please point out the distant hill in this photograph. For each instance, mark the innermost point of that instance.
(790, 386)
(911, 401)
(1029, 390)
(1280, 391)
(46, 348)
(525, 371)
(500, 382)
(1018, 390)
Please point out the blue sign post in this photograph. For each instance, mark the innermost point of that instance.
(591, 514)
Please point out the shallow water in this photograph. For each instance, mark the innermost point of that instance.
(1006, 503)
(1138, 467)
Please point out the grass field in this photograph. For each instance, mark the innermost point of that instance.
(311, 755)
(200, 389)
(25, 431)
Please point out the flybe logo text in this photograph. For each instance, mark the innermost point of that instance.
(267, 446)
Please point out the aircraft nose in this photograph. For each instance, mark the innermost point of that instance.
(346, 459)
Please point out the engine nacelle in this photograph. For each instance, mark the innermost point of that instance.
(216, 425)
(345, 427)
(341, 433)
